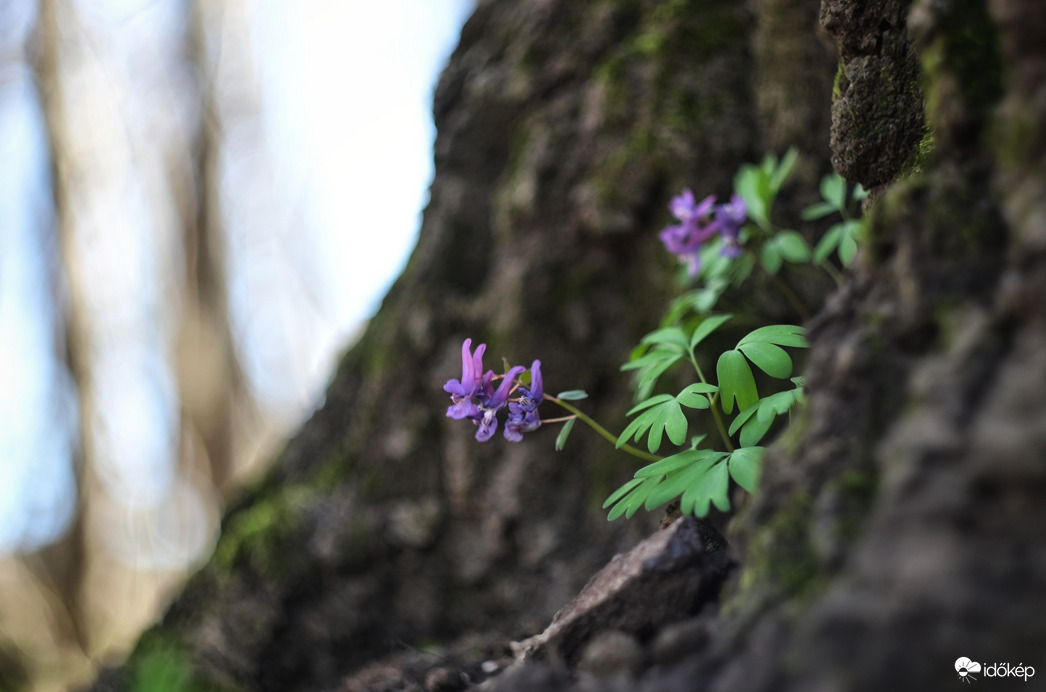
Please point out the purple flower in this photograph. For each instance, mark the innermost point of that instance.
(683, 206)
(523, 414)
(697, 225)
(472, 383)
(490, 405)
(699, 222)
(730, 216)
(474, 397)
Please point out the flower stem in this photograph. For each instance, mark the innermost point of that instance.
(715, 411)
(830, 270)
(790, 295)
(561, 419)
(603, 432)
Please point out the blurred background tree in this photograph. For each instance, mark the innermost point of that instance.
(178, 271)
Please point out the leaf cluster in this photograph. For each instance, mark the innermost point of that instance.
(700, 477)
(841, 237)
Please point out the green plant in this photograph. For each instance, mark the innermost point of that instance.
(720, 246)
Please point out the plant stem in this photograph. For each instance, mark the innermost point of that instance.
(790, 295)
(561, 419)
(715, 411)
(603, 432)
(830, 270)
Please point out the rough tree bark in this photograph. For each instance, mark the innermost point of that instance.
(897, 524)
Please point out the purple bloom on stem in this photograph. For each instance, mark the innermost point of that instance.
(686, 210)
(523, 414)
(730, 217)
(682, 206)
(697, 225)
(474, 397)
(472, 383)
(490, 405)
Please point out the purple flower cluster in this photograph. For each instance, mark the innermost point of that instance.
(699, 222)
(474, 397)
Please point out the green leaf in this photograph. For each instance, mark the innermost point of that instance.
(653, 357)
(572, 395)
(847, 250)
(709, 296)
(681, 479)
(833, 189)
(742, 417)
(818, 211)
(616, 512)
(675, 424)
(678, 308)
(635, 429)
(741, 267)
(657, 427)
(744, 464)
(665, 491)
(651, 366)
(564, 433)
(713, 264)
(670, 487)
(712, 486)
(690, 476)
(770, 358)
(859, 193)
(622, 491)
(777, 404)
(828, 242)
(663, 414)
(707, 326)
(754, 430)
(652, 401)
(756, 420)
(670, 336)
(780, 334)
(753, 185)
(770, 257)
(693, 396)
(848, 242)
(735, 381)
(784, 169)
(639, 497)
(672, 463)
(792, 246)
(630, 497)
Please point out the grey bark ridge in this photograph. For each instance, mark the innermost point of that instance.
(669, 576)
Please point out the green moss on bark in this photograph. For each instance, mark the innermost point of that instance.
(780, 558)
(260, 534)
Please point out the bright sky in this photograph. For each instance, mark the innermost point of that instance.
(346, 98)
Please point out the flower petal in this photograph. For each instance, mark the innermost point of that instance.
(500, 397)
(537, 385)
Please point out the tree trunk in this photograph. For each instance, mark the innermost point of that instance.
(895, 528)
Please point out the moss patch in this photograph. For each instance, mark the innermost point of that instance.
(259, 534)
(160, 664)
(780, 556)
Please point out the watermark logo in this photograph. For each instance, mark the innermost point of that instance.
(967, 670)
